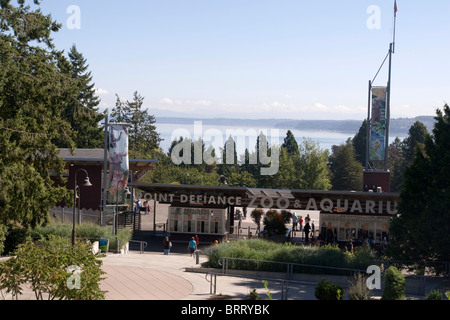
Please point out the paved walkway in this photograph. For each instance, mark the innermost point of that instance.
(154, 276)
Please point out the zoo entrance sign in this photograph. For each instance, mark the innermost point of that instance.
(378, 205)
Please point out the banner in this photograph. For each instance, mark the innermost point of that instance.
(378, 124)
(118, 158)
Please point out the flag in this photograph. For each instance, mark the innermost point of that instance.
(395, 8)
(118, 157)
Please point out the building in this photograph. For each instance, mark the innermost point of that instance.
(92, 160)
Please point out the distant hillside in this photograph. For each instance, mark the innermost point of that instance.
(398, 127)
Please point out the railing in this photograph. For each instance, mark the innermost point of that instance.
(285, 285)
(288, 267)
(142, 245)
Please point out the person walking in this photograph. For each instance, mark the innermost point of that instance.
(167, 245)
(294, 221)
(307, 228)
(197, 241)
(192, 246)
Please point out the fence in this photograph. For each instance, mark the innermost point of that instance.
(65, 215)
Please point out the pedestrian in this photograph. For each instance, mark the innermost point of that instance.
(138, 205)
(197, 240)
(307, 219)
(167, 245)
(294, 221)
(300, 222)
(192, 246)
(307, 228)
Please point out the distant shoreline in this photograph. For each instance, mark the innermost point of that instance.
(398, 126)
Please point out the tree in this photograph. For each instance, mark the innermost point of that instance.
(313, 169)
(346, 171)
(395, 285)
(143, 138)
(421, 230)
(416, 137)
(33, 93)
(81, 111)
(359, 143)
(290, 144)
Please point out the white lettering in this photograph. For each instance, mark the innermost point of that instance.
(374, 281)
(328, 208)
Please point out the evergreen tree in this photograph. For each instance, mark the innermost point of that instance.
(290, 144)
(143, 138)
(359, 143)
(401, 155)
(33, 94)
(421, 230)
(346, 171)
(81, 111)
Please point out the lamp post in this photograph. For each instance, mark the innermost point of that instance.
(86, 183)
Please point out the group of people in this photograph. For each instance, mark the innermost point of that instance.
(145, 206)
(192, 245)
(309, 228)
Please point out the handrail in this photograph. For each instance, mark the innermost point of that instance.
(290, 265)
(142, 245)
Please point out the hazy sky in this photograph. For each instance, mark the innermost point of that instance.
(261, 58)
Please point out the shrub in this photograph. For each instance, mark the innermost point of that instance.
(434, 295)
(327, 291)
(3, 231)
(260, 249)
(88, 231)
(48, 266)
(15, 235)
(395, 284)
(358, 289)
(274, 222)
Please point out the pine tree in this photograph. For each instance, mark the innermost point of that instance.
(290, 144)
(143, 138)
(82, 111)
(422, 228)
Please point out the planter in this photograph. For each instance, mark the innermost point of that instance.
(125, 248)
(95, 247)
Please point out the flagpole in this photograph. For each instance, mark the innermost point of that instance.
(395, 20)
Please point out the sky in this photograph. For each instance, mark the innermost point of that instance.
(284, 59)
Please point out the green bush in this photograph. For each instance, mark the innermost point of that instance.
(15, 235)
(3, 231)
(274, 222)
(327, 291)
(259, 249)
(394, 285)
(88, 231)
(48, 267)
(434, 295)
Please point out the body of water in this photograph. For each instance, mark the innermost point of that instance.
(244, 137)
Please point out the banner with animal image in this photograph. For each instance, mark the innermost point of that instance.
(118, 158)
(378, 124)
